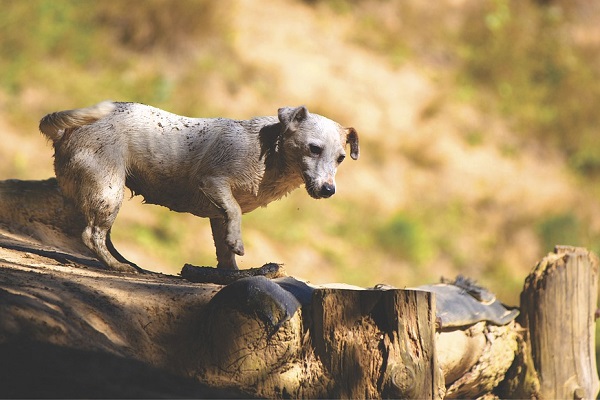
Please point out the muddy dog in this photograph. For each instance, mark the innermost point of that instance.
(211, 167)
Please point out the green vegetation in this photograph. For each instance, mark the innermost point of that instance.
(406, 237)
(521, 53)
(559, 229)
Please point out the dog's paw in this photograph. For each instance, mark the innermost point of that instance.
(236, 245)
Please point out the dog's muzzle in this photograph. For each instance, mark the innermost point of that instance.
(317, 191)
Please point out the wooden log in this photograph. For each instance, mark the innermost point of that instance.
(558, 304)
(252, 339)
(378, 343)
(38, 209)
(77, 332)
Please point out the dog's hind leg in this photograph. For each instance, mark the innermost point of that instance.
(225, 257)
(100, 203)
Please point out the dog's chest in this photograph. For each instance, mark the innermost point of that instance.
(268, 191)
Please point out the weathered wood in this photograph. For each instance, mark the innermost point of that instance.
(378, 343)
(74, 332)
(38, 209)
(521, 380)
(253, 339)
(491, 365)
(558, 304)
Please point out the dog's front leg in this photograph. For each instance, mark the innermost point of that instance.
(225, 257)
(227, 231)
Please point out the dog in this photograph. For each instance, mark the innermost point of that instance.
(216, 168)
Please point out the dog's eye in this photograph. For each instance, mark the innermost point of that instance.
(316, 150)
(341, 158)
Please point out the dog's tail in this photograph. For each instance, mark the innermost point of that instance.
(54, 125)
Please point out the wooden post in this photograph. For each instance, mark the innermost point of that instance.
(558, 304)
(378, 343)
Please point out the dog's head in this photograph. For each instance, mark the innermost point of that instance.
(316, 145)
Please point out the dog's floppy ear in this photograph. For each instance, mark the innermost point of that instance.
(352, 139)
(291, 117)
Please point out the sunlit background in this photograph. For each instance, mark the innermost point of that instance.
(478, 122)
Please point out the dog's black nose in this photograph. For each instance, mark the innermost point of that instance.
(327, 190)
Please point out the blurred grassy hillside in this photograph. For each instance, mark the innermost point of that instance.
(478, 123)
